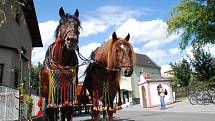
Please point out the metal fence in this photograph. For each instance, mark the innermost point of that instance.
(9, 104)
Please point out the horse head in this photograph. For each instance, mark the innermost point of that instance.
(124, 54)
(117, 54)
(68, 29)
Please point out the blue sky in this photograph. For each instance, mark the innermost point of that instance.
(145, 20)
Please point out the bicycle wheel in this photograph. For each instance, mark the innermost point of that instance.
(213, 99)
(206, 99)
(193, 100)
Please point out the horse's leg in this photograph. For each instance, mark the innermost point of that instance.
(104, 113)
(50, 114)
(67, 113)
(95, 110)
(111, 108)
(44, 86)
(95, 115)
(62, 111)
(70, 110)
(110, 115)
(46, 115)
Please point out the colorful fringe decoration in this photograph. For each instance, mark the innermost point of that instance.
(102, 102)
(62, 88)
(106, 96)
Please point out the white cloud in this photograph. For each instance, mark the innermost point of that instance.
(150, 38)
(107, 16)
(159, 56)
(86, 51)
(96, 21)
(47, 30)
(38, 55)
(174, 51)
(143, 31)
(165, 68)
(208, 48)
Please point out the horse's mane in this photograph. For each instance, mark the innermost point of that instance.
(106, 54)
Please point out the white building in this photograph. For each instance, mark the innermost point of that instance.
(148, 90)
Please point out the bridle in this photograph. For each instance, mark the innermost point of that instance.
(118, 67)
(125, 54)
(69, 30)
(51, 62)
(65, 34)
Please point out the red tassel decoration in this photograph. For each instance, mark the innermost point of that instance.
(39, 103)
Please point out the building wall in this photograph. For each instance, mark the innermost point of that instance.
(15, 36)
(136, 78)
(155, 99)
(6, 57)
(131, 83)
(125, 83)
(155, 70)
(151, 95)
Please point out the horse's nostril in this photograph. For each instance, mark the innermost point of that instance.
(128, 72)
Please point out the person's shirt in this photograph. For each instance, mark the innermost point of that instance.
(162, 90)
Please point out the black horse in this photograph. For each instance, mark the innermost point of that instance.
(58, 77)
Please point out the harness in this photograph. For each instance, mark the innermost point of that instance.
(102, 86)
(62, 81)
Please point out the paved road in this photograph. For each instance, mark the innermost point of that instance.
(180, 111)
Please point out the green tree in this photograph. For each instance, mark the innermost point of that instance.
(196, 20)
(203, 65)
(182, 73)
(35, 77)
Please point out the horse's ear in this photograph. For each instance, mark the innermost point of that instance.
(127, 37)
(61, 12)
(76, 13)
(114, 37)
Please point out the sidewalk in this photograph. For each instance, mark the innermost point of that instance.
(181, 106)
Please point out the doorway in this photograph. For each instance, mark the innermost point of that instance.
(144, 97)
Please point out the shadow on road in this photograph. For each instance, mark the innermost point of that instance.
(123, 119)
(115, 118)
(153, 114)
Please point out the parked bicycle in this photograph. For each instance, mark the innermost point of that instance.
(195, 97)
(209, 97)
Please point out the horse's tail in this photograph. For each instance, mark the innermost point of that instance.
(88, 71)
(40, 81)
(43, 81)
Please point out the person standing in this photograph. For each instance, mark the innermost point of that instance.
(161, 93)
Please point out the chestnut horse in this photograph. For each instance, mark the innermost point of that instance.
(58, 77)
(113, 58)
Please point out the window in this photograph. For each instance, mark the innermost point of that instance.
(1, 73)
(16, 78)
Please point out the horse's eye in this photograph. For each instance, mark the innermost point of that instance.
(117, 50)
